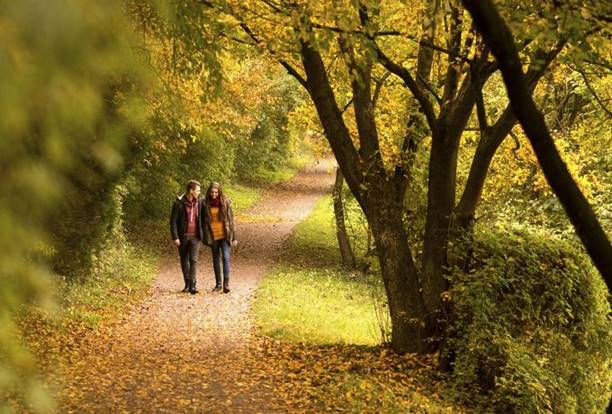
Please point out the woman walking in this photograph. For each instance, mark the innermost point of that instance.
(219, 233)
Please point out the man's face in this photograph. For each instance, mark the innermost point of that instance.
(195, 192)
(214, 193)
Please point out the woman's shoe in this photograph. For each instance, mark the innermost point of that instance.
(226, 290)
(217, 289)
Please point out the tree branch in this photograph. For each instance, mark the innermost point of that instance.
(481, 111)
(290, 69)
(379, 84)
(590, 88)
(410, 83)
(422, 42)
(499, 38)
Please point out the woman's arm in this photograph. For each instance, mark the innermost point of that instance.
(230, 220)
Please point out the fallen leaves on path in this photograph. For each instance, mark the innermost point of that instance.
(178, 353)
(345, 378)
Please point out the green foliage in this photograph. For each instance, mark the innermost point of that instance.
(120, 276)
(516, 190)
(268, 147)
(224, 142)
(189, 28)
(531, 329)
(317, 306)
(67, 104)
(169, 163)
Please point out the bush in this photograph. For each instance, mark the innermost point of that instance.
(531, 328)
(180, 154)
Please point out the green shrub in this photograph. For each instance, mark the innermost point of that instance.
(531, 330)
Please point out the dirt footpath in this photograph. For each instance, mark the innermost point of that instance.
(193, 353)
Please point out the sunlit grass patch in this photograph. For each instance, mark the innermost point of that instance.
(242, 196)
(121, 276)
(314, 240)
(318, 306)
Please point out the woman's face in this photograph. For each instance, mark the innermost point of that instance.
(214, 193)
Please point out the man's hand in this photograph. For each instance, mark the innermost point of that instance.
(177, 242)
(234, 243)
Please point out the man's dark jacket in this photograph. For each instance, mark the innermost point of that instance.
(178, 218)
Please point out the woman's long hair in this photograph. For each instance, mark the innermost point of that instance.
(208, 199)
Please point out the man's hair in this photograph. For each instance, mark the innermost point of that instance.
(191, 185)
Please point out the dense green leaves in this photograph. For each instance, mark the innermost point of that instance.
(67, 75)
(531, 328)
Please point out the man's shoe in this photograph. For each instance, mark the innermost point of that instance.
(193, 291)
(185, 289)
(226, 290)
(217, 289)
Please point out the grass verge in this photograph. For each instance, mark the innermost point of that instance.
(242, 196)
(120, 278)
(327, 327)
(318, 306)
(314, 241)
(310, 298)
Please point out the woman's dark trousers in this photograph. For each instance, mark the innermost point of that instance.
(188, 252)
(221, 252)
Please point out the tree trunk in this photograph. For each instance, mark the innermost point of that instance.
(346, 252)
(466, 208)
(491, 137)
(499, 38)
(384, 214)
(446, 135)
(440, 204)
(400, 277)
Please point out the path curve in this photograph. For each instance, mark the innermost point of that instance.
(182, 353)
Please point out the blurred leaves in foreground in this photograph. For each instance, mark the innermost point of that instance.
(67, 72)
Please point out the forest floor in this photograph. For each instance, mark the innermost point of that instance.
(177, 352)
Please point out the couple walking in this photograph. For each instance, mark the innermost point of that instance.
(209, 220)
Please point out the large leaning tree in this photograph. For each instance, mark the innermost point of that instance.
(430, 65)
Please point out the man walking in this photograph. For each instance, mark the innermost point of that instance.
(186, 231)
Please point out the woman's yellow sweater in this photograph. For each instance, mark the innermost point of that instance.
(216, 225)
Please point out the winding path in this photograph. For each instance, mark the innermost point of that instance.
(182, 353)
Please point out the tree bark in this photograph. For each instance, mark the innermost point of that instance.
(490, 140)
(374, 192)
(446, 131)
(441, 192)
(491, 137)
(440, 204)
(400, 277)
(499, 38)
(344, 244)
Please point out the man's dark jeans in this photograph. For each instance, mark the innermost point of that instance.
(221, 250)
(188, 252)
